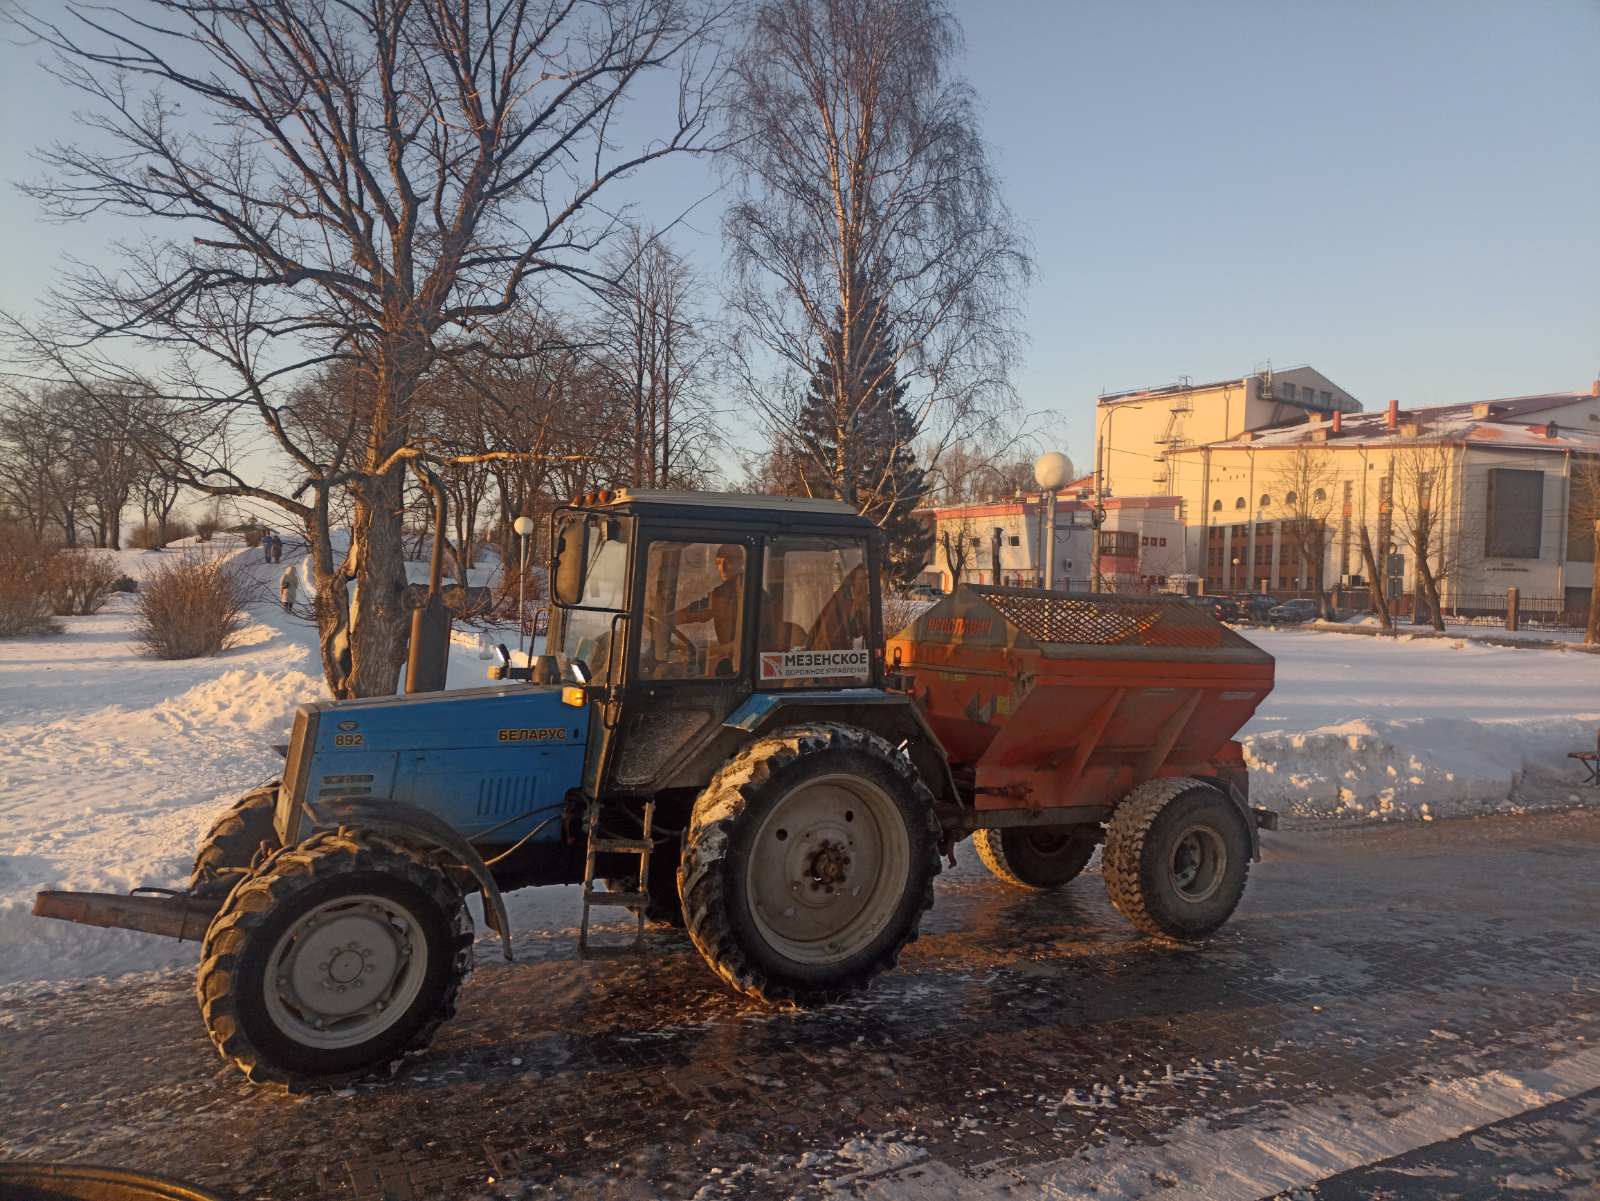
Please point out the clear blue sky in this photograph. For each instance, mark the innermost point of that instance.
(1404, 195)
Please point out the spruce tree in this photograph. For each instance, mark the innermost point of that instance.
(855, 443)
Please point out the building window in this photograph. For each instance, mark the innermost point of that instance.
(1239, 503)
(1266, 501)
(1287, 389)
(1289, 499)
(1319, 496)
(977, 542)
(1516, 513)
(1015, 541)
(1327, 400)
(1216, 506)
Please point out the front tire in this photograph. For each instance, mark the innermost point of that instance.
(231, 846)
(808, 864)
(1035, 857)
(333, 959)
(1176, 858)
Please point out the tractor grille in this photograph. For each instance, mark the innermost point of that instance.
(499, 795)
(1100, 619)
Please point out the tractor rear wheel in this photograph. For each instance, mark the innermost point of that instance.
(1036, 857)
(333, 959)
(229, 849)
(808, 863)
(1176, 857)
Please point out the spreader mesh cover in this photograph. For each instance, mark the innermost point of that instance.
(1107, 619)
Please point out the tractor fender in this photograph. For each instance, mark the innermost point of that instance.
(890, 715)
(416, 825)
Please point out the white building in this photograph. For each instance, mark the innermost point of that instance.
(1001, 541)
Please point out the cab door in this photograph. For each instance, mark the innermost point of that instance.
(690, 643)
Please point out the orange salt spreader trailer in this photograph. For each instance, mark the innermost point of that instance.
(1074, 718)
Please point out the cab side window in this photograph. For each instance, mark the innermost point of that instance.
(693, 611)
(816, 613)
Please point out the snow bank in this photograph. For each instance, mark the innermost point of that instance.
(1419, 728)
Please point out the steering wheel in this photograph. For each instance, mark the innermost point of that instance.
(674, 635)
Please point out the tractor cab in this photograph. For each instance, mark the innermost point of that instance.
(683, 610)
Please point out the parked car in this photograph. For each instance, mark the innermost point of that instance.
(1253, 606)
(1292, 612)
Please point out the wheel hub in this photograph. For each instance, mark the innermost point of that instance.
(827, 866)
(1199, 862)
(346, 970)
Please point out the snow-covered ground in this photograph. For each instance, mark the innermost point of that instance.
(112, 765)
(1426, 727)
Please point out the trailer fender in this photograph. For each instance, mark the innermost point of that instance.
(412, 824)
(1250, 820)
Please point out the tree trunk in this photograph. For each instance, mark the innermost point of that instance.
(1430, 593)
(1591, 635)
(379, 623)
(1380, 602)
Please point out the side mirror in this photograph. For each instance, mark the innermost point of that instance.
(571, 548)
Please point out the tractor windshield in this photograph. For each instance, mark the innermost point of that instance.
(590, 585)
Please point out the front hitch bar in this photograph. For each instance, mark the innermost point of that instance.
(178, 915)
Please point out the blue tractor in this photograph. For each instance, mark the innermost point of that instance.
(707, 741)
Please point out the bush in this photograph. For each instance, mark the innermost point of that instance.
(80, 582)
(147, 536)
(207, 525)
(25, 570)
(191, 608)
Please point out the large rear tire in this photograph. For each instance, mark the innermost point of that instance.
(230, 848)
(808, 864)
(333, 960)
(1036, 857)
(1176, 858)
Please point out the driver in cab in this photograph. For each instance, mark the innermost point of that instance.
(721, 607)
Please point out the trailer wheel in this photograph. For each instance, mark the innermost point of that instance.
(808, 863)
(1035, 857)
(1176, 857)
(333, 959)
(229, 848)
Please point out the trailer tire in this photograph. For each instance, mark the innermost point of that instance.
(257, 995)
(1036, 857)
(1176, 858)
(740, 863)
(230, 847)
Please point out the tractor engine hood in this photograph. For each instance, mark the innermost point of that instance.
(473, 757)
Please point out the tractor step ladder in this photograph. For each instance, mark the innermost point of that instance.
(634, 899)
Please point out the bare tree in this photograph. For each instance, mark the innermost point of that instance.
(41, 479)
(956, 541)
(1424, 481)
(656, 355)
(868, 230)
(1306, 479)
(1584, 521)
(346, 182)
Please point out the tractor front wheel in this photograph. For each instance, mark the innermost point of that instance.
(229, 849)
(808, 863)
(1035, 857)
(335, 958)
(1176, 857)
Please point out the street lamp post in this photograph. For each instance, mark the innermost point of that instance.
(523, 526)
(1051, 471)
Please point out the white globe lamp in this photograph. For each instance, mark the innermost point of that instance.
(1052, 471)
(523, 526)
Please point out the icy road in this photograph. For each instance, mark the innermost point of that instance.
(1382, 992)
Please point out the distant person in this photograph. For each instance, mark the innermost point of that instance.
(277, 549)
(288, 582)
(266, 547)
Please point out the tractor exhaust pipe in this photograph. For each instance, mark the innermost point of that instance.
(172, 916)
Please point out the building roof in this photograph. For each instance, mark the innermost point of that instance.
(733, 506)
(1513, 422)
